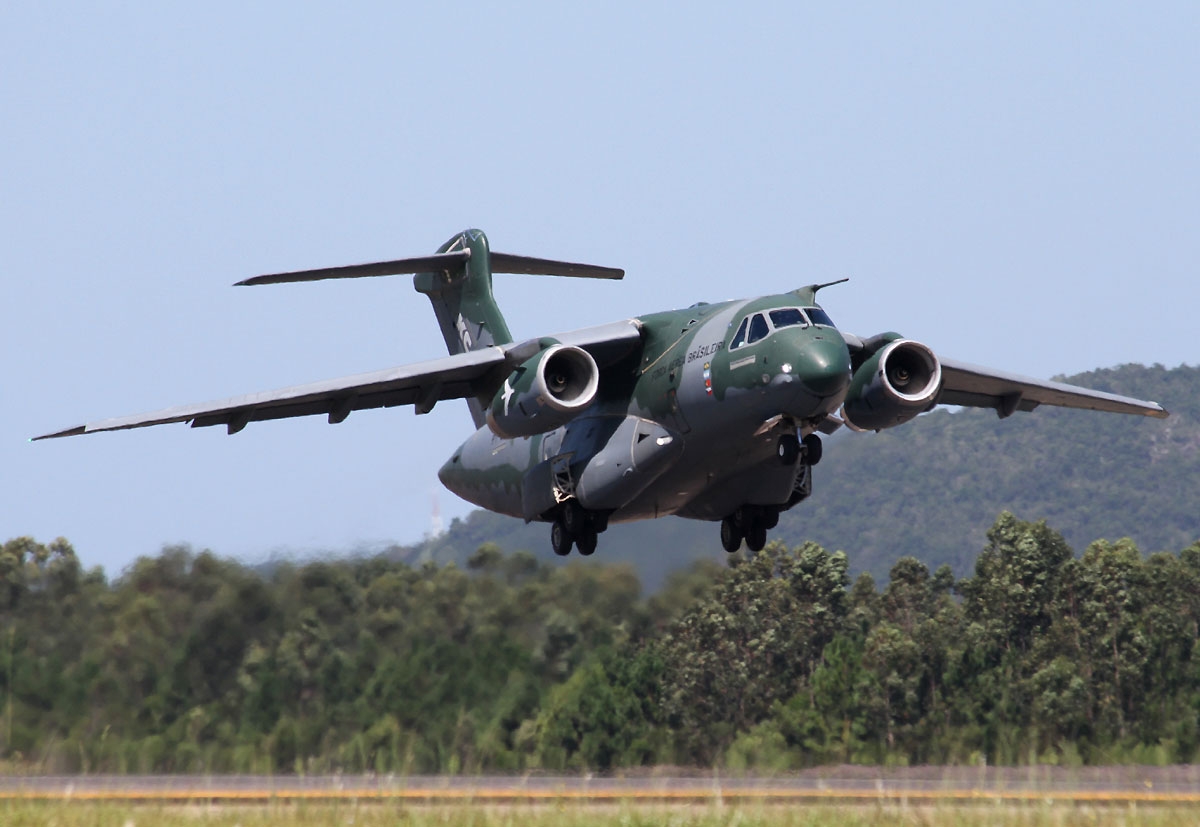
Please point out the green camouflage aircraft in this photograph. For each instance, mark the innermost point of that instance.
(710, 413)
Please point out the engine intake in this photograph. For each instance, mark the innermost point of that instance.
(900, 381)
(545, 392)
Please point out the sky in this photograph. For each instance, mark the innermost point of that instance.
(1016, 185)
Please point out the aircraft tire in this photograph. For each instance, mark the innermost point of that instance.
(574, 518)
(586, 542)
(770, 518)
(788, 449)
(560, 539)
(756, 536)
(731, 535)
(812, 449)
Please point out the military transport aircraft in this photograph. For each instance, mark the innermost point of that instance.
(711, 412)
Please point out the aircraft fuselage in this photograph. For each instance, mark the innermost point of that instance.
(690, 425)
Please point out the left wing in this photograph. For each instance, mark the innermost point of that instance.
(474, 373)
(973, 386)
(978, 387)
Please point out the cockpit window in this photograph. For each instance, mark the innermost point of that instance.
(739, 338)
(819, 316)
(758, 329)
(787, 317)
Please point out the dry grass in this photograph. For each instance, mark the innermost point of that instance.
(86, 814)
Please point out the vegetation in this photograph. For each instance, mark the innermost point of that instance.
(191, 663)
(584, 815)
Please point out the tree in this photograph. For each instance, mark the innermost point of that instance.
(750, 644)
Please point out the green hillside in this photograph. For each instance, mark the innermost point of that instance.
(932, 488)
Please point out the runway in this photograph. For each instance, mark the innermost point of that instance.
(1094, 785)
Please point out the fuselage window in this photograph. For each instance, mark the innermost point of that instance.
(758, 329)
(739, 338)
(787, 317)
(819, 316)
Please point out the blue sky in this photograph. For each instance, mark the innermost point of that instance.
(1017, 186)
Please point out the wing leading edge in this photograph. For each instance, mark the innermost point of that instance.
(423, 384)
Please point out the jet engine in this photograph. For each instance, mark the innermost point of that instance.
(545, 392)
(900, 381)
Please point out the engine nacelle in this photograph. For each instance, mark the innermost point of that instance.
(545, 392)
(900, 381)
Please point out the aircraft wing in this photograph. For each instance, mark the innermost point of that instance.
(421, 384)
(978, 387)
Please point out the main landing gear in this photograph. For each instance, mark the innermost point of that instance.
(576, 526)
(752, 522)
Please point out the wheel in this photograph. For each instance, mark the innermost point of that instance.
(574, 517)
(560, 539)
(731, 535)
(756, 536)
(586, 542)
(770, 518)
(788, 449)
(599, 521)
(812, 449)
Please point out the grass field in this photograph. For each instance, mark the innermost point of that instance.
(574, 814)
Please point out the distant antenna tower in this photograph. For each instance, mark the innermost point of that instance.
(435, 518)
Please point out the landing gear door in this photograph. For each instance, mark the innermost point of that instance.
(674, 418)
(545, 486)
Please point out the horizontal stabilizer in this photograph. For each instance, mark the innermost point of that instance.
(420, 264)
(501, 263)
(528, 266)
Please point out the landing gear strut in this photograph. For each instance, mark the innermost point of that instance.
(576, 526)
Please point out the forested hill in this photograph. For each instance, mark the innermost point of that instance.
(931, 489)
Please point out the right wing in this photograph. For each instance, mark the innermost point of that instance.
(421, 384)
(470, 374)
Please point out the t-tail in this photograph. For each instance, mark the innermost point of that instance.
(458, 281)
(462, 296)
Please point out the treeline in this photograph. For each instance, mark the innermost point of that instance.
(191, 663)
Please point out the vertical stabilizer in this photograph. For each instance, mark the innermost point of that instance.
(462, 299)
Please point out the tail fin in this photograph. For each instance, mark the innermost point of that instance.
(462, 296)
(458, 281)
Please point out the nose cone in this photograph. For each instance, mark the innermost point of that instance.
(451, 473)
(824, 367)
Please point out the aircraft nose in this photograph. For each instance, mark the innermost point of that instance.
(824, 367)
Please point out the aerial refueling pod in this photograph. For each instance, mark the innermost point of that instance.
(899, 381)
(545, 392)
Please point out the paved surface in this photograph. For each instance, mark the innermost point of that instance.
(1168, 785)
